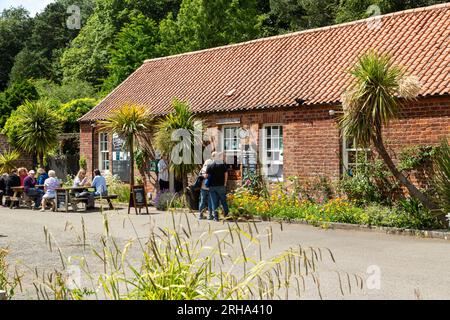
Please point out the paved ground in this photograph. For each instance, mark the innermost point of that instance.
(410, 268)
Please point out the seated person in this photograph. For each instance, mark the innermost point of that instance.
(12, 181)
(3, 180)
(50, 186)
(99, 183)
(23, 173)
(81, 180)
(29, 186)
(42, 176)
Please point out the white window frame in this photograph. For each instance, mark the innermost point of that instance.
(234, 152)
(104, 161)
(346, 166)
(265, 150)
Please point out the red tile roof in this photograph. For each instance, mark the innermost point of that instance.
(310, 65)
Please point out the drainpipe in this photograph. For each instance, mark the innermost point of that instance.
(93, 125)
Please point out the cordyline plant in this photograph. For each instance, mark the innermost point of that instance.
(38, 129)
(129, 122)
(7, 160)
(372, 101)
(184, 262)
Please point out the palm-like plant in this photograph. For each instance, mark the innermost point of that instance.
(38, 129)
(180, 119)
(443, 175)
(7, 160)
(372, 101)
(129, 122)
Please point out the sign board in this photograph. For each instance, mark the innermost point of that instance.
(138, 199)
(61, 200)
(153, 166)
(228, 121)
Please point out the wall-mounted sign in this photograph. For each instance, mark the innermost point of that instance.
(228, 121)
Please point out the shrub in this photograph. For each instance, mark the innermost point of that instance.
(116, 186)
(166, 200)
(442, 180)
(7, 161)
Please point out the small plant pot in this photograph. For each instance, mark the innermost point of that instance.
(2, 295)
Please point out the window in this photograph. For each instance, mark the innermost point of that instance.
(232, 146)
(272, 155)
(104, 152)
(352, 155)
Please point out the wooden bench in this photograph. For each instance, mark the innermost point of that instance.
(108, 198)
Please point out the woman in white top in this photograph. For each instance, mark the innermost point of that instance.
(81, 180)
(205, 200)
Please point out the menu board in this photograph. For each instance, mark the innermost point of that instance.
(138, 199)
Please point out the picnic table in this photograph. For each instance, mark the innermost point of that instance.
(20, 196)
(66, 197)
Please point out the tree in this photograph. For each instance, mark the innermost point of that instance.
(38, 128)
(442, 179)
(202, 24)
(48, 37)
(180, 123)
(14, 96)
(15, 29)
(372, 101)
(66, 92)
(136, 42)
(70, 112)
(89, 53)
(129, 122)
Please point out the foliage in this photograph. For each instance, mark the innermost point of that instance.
(289, 205)
(255, 183)
(15, 28)
(371, 101)
(65, 92)
(82, 163)
(371, 182)
(442, 180)
(37, 128)
(202, 24)
(7, 160)
(413, 157)
(117, 187)
(135, 42)
(176, 264)
(70, 112)
(182, 124)
(14, 96)
(165, 200)
(6, 283)
(89, 53)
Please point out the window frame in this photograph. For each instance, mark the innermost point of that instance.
(346, 166)
(103, 141)
(265, 150)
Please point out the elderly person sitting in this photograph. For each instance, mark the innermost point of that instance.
(29, 186)
(50, 186)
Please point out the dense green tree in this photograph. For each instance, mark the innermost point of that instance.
(15, 28)
(70, 112)
(204, 24)
(350, 10)
(14, 96)
(49, 36)
(89, 53)
(137, 41)
(66, 92)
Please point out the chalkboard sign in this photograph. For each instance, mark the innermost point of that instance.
(61, 200)
(138, 199)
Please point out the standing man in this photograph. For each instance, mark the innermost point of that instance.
(217, 175)
(163, 174)
(205, 199)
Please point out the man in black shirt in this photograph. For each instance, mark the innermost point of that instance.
(217, 175)
(13, 181)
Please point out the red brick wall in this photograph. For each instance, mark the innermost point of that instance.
(25, 160)
(312, 144)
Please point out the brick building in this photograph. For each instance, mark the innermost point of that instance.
(275, 94)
